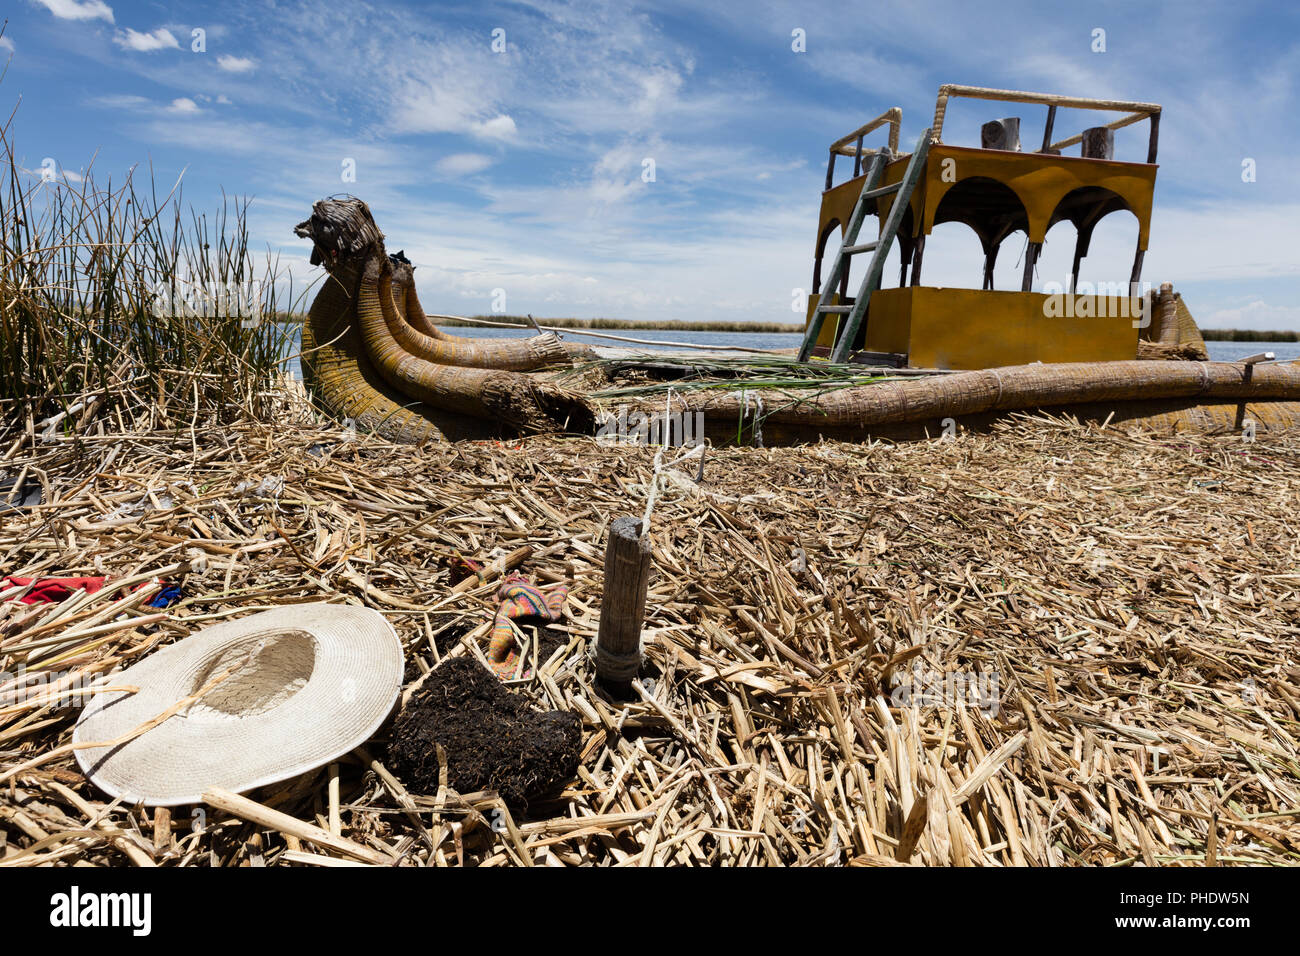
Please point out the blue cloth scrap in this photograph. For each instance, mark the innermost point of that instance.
(168, 596)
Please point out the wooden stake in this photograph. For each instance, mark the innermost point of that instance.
(622, 608)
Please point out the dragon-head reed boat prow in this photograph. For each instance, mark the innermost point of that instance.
(372, 356)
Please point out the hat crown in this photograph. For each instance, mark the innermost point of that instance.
(253, 675)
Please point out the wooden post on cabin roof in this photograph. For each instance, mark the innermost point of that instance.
(1001, 134)
(1098, 143)
(622, 606)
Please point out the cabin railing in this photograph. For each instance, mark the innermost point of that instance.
(851, 145)
(1137, 111)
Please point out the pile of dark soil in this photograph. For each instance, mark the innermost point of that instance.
(492, 738)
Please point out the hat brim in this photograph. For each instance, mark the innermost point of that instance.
(303, 684)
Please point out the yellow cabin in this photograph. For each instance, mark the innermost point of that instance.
(997, 189)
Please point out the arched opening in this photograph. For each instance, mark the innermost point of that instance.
(902, 253)
(1110, 246)
(992, 210)
(898, 259)
(823, 243)
(1111, 252)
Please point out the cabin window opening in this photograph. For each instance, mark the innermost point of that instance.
(1104, 248)
(991, 210)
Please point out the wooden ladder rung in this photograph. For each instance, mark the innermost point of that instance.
(882, 191)
(864, 247)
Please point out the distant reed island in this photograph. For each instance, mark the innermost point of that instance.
(1248, 335)
(768, 328)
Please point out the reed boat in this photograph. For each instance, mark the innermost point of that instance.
(902, 361)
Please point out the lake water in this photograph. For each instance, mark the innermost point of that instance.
(1219, 351)
(1232, 351)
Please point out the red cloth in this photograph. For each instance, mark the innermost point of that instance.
(52, 590)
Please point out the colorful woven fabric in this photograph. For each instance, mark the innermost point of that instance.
(520, 599)
(461, 567)
(56, 590)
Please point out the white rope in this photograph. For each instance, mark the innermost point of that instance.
(696, 450)
(616, 338)
(997, 401)
(652, 493)
(617, 667)
(745, 394)
(668, 418)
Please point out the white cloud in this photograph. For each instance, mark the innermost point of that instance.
(659, 91)
(1202, 242)
(79, 9)
(60, 175)
(160, 39)
(183, 104)
(121, 101)
(6, 44)
(463, 164)
(457, 98)
(235, 64)
(499, 127)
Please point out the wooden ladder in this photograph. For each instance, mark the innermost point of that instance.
(871, 191)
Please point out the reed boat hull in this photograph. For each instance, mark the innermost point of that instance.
(1166, 396)
(1167, 418)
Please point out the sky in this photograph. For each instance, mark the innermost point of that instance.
(662, 161)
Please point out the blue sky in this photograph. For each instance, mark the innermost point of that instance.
(522, 170)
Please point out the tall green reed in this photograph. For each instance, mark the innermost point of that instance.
(116, 299)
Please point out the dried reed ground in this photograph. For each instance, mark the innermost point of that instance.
(1136, 595)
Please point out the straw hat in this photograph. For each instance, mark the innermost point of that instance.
(287, 690)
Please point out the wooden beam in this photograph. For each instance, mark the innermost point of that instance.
(1140, 111)
(622, 606)
(1031, 259)
(1047, 99)
(1047, 130)
(1136, 276)
(894, 117)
